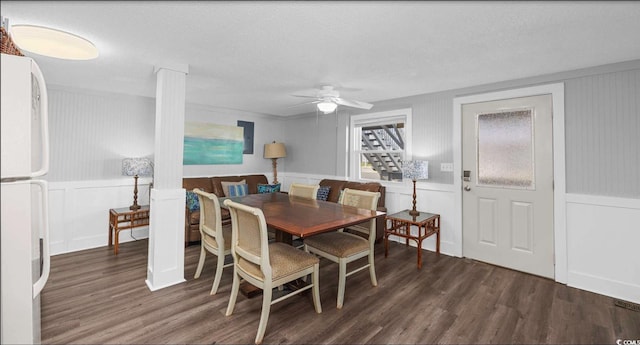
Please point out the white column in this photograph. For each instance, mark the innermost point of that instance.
(166, 224)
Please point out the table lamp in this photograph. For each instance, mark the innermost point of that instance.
(275, 151)
(136, 167)
(415, 170)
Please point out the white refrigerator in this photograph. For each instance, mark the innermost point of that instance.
(24, 221)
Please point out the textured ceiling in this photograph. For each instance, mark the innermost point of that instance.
(252, 56)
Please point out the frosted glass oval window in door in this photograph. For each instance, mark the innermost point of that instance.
(505, 149)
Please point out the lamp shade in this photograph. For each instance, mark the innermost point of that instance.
(327, 107)
(415, 170)
(275, 150)
(137, 166)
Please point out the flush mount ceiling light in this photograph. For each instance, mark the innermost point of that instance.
(327, 106)
(53, 43)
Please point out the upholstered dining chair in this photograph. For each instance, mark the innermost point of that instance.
(266, 265)
(344, 247)
(307, 191)
(215, 238)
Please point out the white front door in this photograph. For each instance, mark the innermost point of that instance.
(507, 198)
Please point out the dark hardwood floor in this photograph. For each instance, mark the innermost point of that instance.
(94, 297)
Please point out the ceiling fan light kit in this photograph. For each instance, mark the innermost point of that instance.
(327, 107)
(328, 99)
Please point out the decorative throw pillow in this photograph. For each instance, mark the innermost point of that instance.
(225, 186)
(192, 201)
(238, 190)
(268, 188)
(323, 193)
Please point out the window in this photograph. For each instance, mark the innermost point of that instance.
(379, 143)
(505, 149)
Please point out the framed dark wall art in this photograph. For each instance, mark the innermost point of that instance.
(248, 136)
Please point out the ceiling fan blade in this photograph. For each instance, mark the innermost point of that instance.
(305, 96)
(305, 103)
(336, 86)
(352, 103)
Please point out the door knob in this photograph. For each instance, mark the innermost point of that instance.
(467, 188)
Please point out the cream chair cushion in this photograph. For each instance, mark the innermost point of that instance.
(338, 244)
(284, 262)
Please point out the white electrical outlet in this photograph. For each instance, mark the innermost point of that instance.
(446, 167)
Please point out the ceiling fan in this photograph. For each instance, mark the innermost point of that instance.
(328, 99)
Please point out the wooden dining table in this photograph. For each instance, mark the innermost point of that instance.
(295, 216)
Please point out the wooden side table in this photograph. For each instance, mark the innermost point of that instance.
(125, 218)
(399, 224)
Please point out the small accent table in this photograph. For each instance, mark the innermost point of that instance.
(399, 224)
(125, 218)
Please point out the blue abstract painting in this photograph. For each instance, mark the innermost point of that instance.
(206, 143)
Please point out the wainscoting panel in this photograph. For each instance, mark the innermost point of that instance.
(287, 179)
(57, 216)
(430, 197)
(603, 237)
(79, 212)
(602, 232)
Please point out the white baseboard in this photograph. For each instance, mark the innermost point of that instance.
(608, 287)
(97, 241)
(446, 247)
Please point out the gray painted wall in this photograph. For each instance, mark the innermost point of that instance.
(602, 126)
(90, 133)
(314, 144)
(603, 134)
(317, 136)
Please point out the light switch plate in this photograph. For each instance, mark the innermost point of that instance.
(446, 167)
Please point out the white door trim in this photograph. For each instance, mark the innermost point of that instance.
(559, 192)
